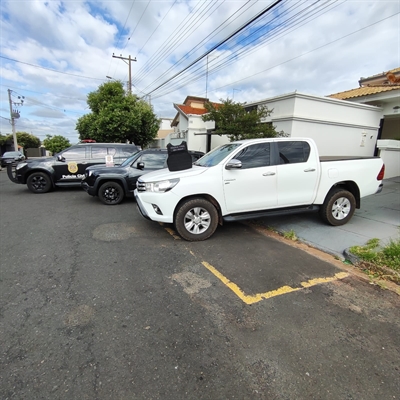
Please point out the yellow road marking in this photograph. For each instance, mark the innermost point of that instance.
(172, 233)
(251, 299)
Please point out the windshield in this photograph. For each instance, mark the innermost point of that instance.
(11, 154)
(130, 160)
(215, 156)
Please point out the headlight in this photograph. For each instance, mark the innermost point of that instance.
(161, 186)
(21, 165)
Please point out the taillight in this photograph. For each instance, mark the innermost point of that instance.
(381, 173)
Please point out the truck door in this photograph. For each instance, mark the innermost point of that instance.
(253, 186)
(72, 166)
(297, 173)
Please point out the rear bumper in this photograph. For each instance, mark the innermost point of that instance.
(379, 188)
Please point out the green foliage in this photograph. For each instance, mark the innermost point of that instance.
(290, 235)
(117, 117)
(56, 143)
(3, 139)
(387, 256)
(25, 140)
(233, 120)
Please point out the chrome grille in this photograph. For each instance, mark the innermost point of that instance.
(141, 186)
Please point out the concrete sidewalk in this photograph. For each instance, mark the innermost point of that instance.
(379, 217)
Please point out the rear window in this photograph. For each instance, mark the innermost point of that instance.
(128, 150)
(99, 152)
(292, 152)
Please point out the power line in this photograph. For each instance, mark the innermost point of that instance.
(308, 52)
(49, 69)
(212, 34)
(174, 39)
(220, 43)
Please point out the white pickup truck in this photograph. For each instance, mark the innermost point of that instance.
(256, 178)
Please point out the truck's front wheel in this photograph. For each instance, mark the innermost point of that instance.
(338, 208)
(196, 220)
(111, 193)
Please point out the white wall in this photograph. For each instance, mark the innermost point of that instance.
(389, 151)
(338, 127)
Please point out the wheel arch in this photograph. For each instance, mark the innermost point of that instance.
(45, 171)
(351, 187)
(118, 180)
(205, 196)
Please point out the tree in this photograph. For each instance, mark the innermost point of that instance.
(117, 117)
(56, 143)
(25, 140)
(3, 139)
(232, 119)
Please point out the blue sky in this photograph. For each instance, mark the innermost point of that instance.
(320, 49)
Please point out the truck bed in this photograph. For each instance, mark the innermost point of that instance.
(344, 158)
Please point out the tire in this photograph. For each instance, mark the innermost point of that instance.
(338, 208)
(196, 220)
(39, 182)
(111, 193)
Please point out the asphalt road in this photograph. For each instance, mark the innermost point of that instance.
(98, 303)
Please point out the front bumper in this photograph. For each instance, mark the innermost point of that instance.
(148, 203)
(12, 174)
(88, 189)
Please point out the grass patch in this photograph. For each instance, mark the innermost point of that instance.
(379, 261)
(290, 235)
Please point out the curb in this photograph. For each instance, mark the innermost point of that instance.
(350, 256)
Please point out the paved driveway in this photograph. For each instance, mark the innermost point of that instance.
(98, 303)
(378, 217)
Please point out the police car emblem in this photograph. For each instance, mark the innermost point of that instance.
(72, 167)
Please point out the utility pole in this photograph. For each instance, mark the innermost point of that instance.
(129, 59)
(13, 115)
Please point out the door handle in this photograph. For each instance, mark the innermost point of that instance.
(309, 170)
(269, 174)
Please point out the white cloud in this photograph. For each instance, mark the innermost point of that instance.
(325, 54)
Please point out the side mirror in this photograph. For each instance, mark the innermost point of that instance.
(60, 158)
(140, 165)
(234, 164)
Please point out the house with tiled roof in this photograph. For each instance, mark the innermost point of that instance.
(383, 91)
(356, 122)
(188, 126)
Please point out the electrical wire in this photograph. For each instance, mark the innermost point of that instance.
(237, 31)
(180, 33)
(49, 69)
(236, 55)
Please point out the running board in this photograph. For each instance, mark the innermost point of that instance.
(269, 213)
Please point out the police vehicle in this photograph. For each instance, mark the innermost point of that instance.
(67, 168)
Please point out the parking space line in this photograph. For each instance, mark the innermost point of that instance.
(251, 299)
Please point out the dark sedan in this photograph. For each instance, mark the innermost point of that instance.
(10, 157)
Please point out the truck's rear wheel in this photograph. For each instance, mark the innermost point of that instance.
(39, 182)
(196, 220)
(111, 193)
(339, 207)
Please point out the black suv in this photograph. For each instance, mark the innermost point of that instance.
(111, 185)
(67, 168)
